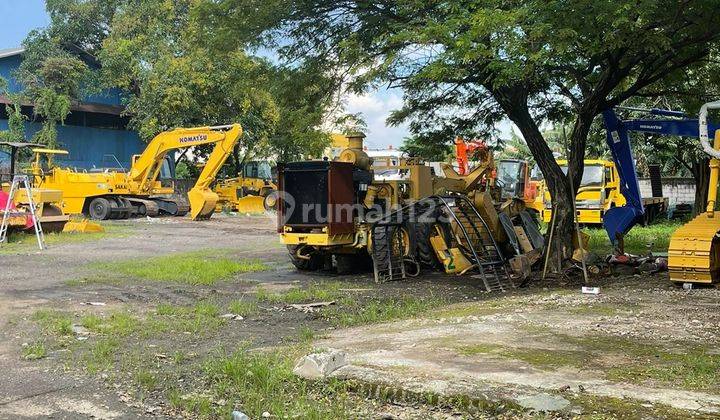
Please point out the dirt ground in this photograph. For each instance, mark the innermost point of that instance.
(640, 349)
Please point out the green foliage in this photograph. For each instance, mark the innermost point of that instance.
(467, 64)
(52, 78)
(180, 69)
(16, 119)
(255, 382)
(430, 151)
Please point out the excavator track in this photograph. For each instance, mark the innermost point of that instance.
(144, 207)
(171, 206)
(694, 252)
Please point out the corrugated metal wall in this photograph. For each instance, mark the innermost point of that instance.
(88, 145)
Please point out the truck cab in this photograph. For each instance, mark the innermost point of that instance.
(598, 192)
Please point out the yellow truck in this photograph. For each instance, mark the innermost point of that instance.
(600, 191)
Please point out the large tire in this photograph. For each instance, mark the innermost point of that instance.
(99, 208)
(314, 263)
(425, 253)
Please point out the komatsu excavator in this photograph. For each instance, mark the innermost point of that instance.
(113, 194)
(694, 251)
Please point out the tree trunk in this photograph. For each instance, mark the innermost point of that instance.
(514, 103)
(701, 174)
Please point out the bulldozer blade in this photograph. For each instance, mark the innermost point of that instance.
(83, 226)
(694, 251)
(202, 203)
(251, 204)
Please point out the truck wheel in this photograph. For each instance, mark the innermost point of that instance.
(302, 264)
(99, 208)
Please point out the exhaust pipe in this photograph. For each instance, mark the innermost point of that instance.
(704, 136)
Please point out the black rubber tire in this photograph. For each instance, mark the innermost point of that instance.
(99, 208)
(114, 205)
(423, 249)
(142, 210)
(314, 263)
(380, 247)
(273, 196)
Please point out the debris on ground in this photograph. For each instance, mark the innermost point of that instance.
(320, 365)
(310, 307)
(232, 317)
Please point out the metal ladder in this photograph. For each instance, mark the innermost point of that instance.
(474, 239)
(17, 180)
(478, 244)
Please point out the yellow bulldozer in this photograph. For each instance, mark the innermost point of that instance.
(252, 192)
(694, 251)
(114, 193)
(46, 201)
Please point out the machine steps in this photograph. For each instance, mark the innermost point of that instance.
(464, 227)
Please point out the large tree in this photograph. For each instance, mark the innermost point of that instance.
(180, 70)
(463, 64)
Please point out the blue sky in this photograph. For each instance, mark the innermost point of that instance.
(17, 18)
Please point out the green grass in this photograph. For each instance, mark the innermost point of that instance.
(350, 313)
(243, 308)
(637, 240)
(53, 322)
(694, 369)
(255, 382)
(196, 268)
(101, 355)
(541, 358)
(34, 351)
(315, 292)
(201, 318)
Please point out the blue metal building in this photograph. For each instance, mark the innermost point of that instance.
(94, 131)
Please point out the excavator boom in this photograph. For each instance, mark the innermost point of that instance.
(146, 167)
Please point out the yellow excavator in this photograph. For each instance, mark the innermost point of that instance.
(112, 194)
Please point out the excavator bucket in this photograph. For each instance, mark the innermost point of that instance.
(694, 252)
(251, 204)
(83, 226)
(202, 203)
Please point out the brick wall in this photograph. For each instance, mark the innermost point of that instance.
(678, 190)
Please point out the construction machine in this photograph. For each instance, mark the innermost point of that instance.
(113, 194)
(343, 212)
(46, 201)
(694, 251)
(253, 191)
(512, 176)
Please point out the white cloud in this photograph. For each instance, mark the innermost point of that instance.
(375, 108)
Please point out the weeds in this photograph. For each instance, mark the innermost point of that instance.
(53, 322)
(34, 351)
(352, 313)
(196, 268)
(243, 308)
(255, 382)
(313, 292)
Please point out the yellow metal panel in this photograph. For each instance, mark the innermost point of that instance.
(316, 239)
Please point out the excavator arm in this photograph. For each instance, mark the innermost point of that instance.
(146, 167)
(619, 220)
